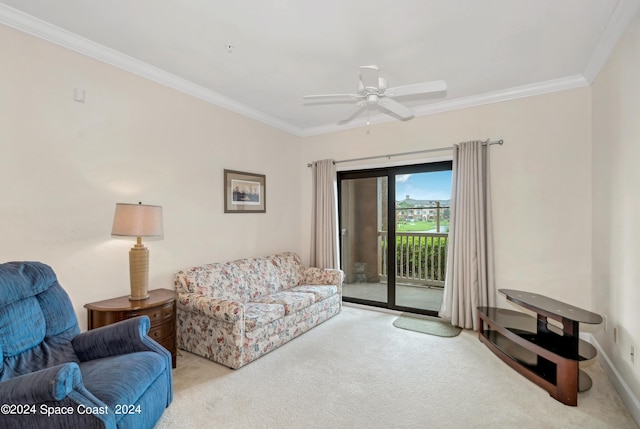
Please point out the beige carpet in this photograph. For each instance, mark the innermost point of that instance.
(358, 371)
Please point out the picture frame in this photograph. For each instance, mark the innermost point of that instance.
(244, 192)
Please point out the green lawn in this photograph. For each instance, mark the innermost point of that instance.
(420, 226)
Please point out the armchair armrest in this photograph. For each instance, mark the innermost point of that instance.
(60, 386)
(220, 309)
(49, 384)
(126, 336)
(322, 276)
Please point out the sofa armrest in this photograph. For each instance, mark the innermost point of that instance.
(217, 308)
(322, 276)
(126, 336)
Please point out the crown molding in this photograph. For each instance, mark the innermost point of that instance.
(620, 19)
(51, 33)
(624, 12)
(530, 90)
(562, 84)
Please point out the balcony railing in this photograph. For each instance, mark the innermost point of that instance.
(421, 257)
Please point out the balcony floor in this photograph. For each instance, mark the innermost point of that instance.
(421, 297)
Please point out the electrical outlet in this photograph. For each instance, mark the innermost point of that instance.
(615, 335)
(604, 320)
(632, 354)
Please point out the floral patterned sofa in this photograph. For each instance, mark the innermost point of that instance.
(235, 312)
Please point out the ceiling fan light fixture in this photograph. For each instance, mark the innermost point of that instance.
(373, 90)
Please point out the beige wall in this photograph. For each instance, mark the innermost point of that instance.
(541, 181)
(64, 165)
(616, 204)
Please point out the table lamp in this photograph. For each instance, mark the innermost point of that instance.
(138, 220)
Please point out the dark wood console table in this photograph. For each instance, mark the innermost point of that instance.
(160, 307)
(542, 352)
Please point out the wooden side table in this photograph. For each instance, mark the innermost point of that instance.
(160, 307)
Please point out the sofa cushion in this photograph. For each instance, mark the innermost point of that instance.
(122, 379)
(292, 301)
(260, 314)
(319, 291)
(218, 280)
(222, 309)
(288, 268)
(260, 275)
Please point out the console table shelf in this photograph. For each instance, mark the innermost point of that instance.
(542, 352)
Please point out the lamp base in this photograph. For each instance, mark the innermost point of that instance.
(139, 271)
(141, 298)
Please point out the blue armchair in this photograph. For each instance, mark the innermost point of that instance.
(53, 376)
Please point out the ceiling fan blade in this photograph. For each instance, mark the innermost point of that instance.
(417, 88)
(369, 76)
(332, 97)
(396, 108)
(359, 108)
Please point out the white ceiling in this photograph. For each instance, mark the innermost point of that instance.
(486, 50)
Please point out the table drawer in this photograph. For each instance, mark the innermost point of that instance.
(156, 315)
(162, 331)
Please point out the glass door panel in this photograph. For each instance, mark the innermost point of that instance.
(363, 223)
(422, 226)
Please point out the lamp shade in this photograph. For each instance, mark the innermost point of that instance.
(137, 220)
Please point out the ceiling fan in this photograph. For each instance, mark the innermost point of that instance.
(372, 90)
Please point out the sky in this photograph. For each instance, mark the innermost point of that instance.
(424, 186)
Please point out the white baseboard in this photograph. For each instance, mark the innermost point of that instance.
(629, 399)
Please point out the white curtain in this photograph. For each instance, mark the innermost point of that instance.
(324, 222)
(469, 279)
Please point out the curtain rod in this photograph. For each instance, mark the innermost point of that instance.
(500, 142)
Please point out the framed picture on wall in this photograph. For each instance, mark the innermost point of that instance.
(244, 192)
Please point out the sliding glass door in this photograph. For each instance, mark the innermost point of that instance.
(394, 232)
